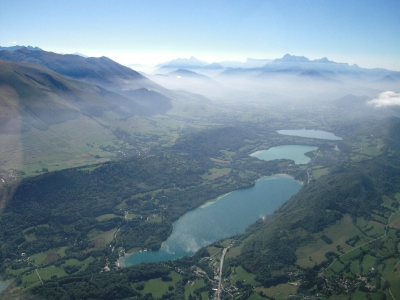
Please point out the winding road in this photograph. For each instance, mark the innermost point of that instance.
(220, 273)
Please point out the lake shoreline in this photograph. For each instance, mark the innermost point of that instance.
(122, 261)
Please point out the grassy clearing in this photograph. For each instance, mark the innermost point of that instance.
(228, 154)
(31, 278)
(17, 271)
(130, 216)
(226, 242)
(190, 287)
(387, 202)
(105, 217)
(61, 251)
(242, 274)
(39, 258)
(213, 250)
(103, 239)
(350, 256)
(281, 291)
(157, 287)
(48, 272)
(215, 173)
(84, 264)
(155, 219)
(62, 146)
(220, 161)
(320, 172)
(233, 252)
(395, 220)
(256, 296)
(368, 262)
(51, 256)
(337, 267)
(314, 252)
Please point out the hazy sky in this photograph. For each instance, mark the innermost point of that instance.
(148, 31)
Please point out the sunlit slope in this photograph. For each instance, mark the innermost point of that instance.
(49, 121)
(103, 73)
(100, 71)
(41, 98)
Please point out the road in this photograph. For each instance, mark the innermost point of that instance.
(39, 276)
(220, 273)
(115, 237)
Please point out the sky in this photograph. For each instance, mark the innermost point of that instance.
(362, 32)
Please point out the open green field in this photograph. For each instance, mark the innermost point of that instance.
(215, 173)
(192, 286)
(314, 252)
(317, 173)
(281, 291)
(234, 251)
(31, 278)
(157, 287)
(102, 239)
(47, 273)
(105, 217)
(242, 274)
(62, 146)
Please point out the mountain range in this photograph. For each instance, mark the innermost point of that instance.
(42, 88)
(289, 64)
(288, 77)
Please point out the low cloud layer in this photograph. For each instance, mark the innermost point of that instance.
(387, 98)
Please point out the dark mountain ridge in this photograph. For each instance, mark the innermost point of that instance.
(34, 96)
(100, 70)
(17, 47)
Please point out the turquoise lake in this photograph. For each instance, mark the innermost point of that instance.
(294, 152)
(226, 217)
(311, 133)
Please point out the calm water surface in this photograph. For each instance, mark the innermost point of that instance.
(294, 152)
(311, 133)
(227, 216)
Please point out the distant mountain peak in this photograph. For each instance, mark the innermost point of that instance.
(323, 60)
(80, 54)
(18, 47)
(292, 58)
(264, 60)
(214, 65)
(182, 71)
(191, 62)
(186, 73)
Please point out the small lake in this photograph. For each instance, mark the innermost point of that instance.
(226, 217)
(311, 133)
(294, 152)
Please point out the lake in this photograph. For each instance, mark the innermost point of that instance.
(226, 217)
(294, 152)
(311, 133)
